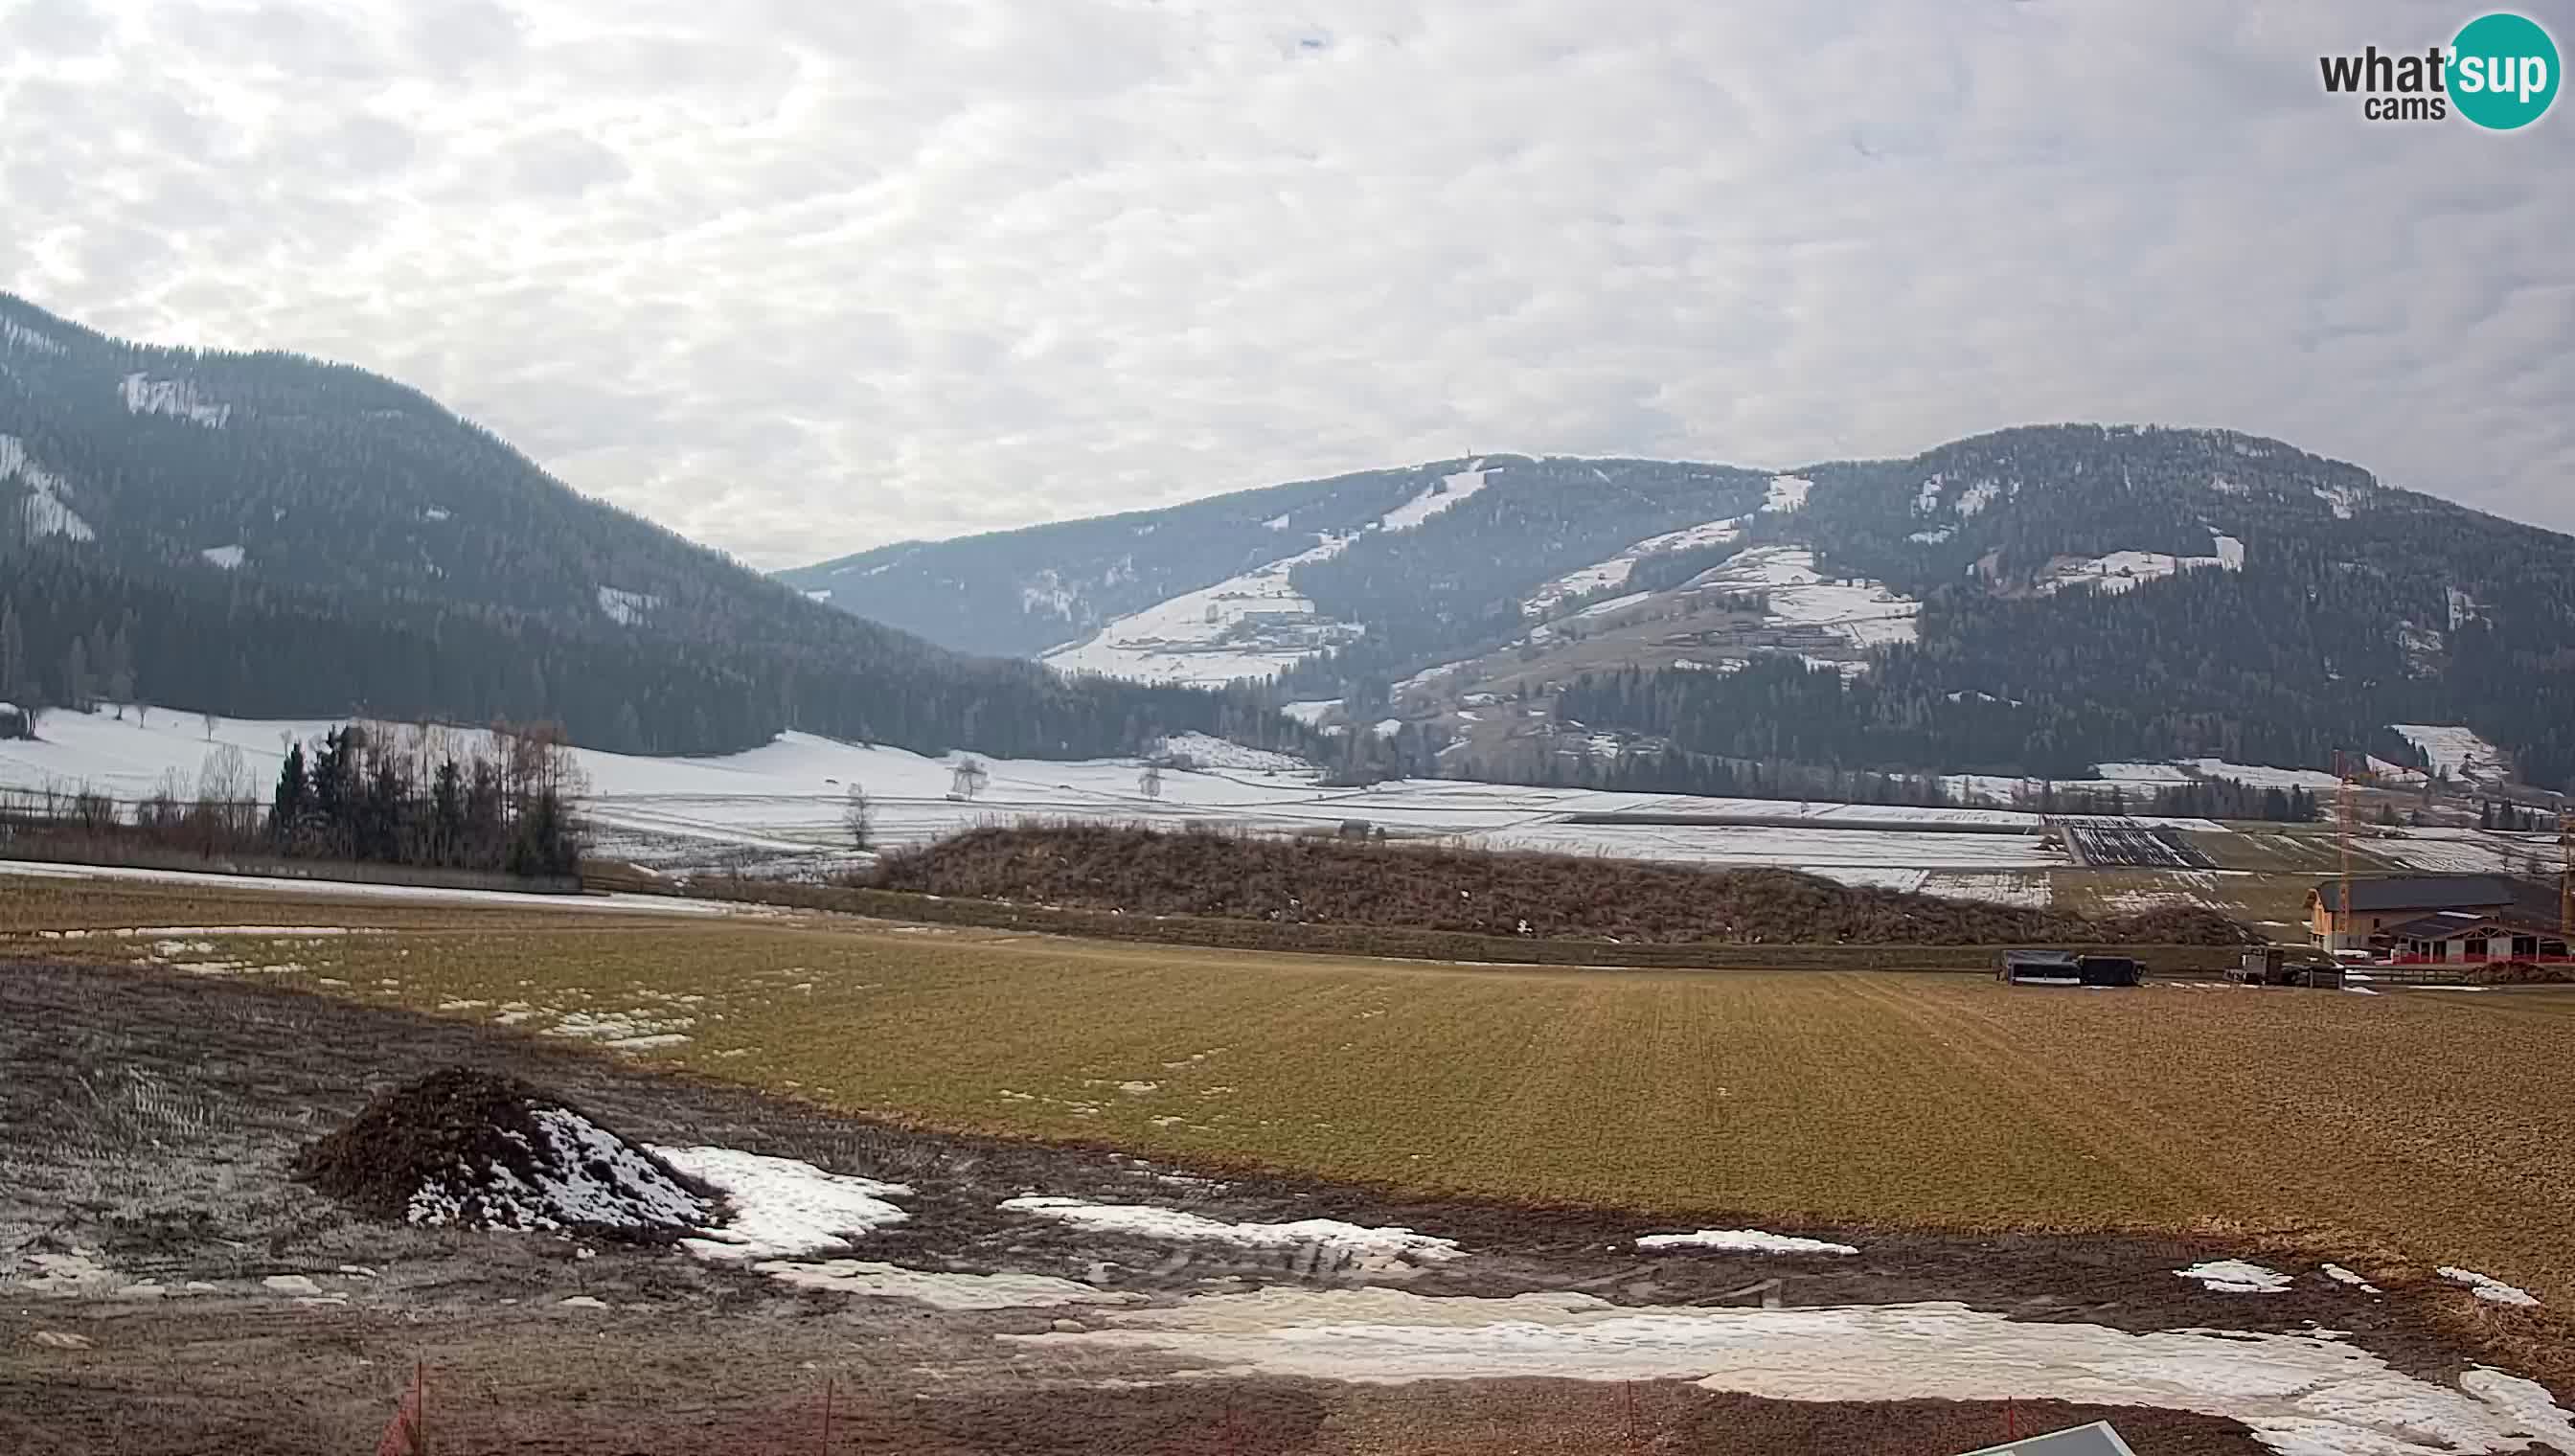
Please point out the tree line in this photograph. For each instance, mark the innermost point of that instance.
(495, 800)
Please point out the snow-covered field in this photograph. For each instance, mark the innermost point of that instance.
(2136, 780)
(1785, 493)
(1867, 613)
(2466, 852)
(781, 804)
(1902, 856)
(2457, 751)
(2121, 571)
(2185, 770)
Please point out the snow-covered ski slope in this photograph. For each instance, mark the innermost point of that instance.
(1252, 624)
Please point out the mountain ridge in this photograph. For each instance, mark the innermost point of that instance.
(1957, 570)
(266, 534)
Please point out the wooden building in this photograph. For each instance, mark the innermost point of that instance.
(2447, 938)
(2381, 903)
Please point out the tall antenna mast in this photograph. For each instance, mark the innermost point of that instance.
(2566, 878)
(2342, 833)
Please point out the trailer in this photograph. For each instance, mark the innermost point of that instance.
(2041, 969)
(2110, 970)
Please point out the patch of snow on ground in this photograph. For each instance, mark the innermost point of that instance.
(1977, 496)
(1311, 712)
(1614, 571)
(280, 932)
(1744, 1240)
(1865, 614)
(626, 609)
(2434, 853)
(2457, 749)
(1614, 604)
(44, 513)
(2231, 551)
(2026, 890)
(2121, 571)
(1888, 858)
(2234, 1276)
(630, 904)
(1255, 624)
(436, 513)
(19, 336)
(1861, 876)
(1369, 1248)
(1786, 494)
(2261, 776)
(2487, 1287)
(1210, 751)
(1451, 491)
(629, 1030)
(176, 398)
(2340, 497)
(781, 1207)
(2149, 773)
(818, 593)
(586, 1175)
(937, 1288)
(1048, 593)
(2341, 1275)
(227, 557)
(1934, 537)
(76, 1274)
(2302, 1394)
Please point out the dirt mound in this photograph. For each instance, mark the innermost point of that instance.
(467, 1147)
(2520, 973)
(1339, 883)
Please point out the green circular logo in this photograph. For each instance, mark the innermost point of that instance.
(2503, 70)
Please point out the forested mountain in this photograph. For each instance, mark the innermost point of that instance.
(1025, 591)
(264, 534)
(2034, 601)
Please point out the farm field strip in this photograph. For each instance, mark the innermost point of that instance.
(2438, 1124)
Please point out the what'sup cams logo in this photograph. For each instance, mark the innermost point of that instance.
(2499, 72)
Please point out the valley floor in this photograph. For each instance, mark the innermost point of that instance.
(2022, 1172)
(777, 811)
(167, 1290)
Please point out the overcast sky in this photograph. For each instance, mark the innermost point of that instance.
(797, 278)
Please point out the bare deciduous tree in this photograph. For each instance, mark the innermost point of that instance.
(859, 817)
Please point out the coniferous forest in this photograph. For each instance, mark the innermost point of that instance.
(271, 536)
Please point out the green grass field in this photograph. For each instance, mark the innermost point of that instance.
(2440, 1126)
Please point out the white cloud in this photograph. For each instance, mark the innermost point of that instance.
(798, 279)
